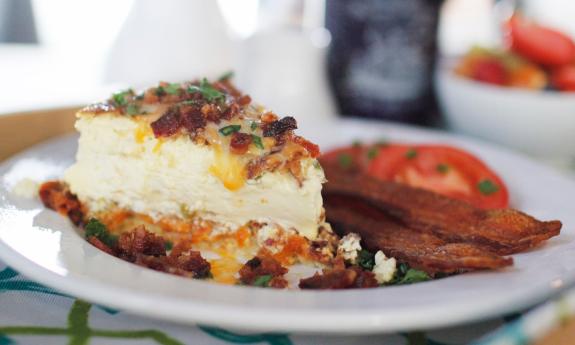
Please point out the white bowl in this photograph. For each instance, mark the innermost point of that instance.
(541, 123)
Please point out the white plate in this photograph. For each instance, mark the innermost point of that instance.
(45, 247)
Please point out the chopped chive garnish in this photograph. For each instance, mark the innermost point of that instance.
(160, 91)
(356, 143)
(372, 153)
(442, 168)
(487, 187)
(227, 130)
(411, 153)
(120, 97)
(366, 259)
(226, 76)
(207, 91)
(168, 245)
(257, 141)
(344, 160)
(172, 89)
(95, 228)
(132, 109)
(189, 102)
(263, 281)
(407, 275)
(253, 126)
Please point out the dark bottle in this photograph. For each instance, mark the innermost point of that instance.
(382, 56)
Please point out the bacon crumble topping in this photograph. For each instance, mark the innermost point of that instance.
(263, 266)
(198, 109)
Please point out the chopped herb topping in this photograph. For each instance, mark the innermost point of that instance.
(356, 143)
(487, 187)
(253, 125)
(207, 91)
(442, 168)
(263, 281)
(372, 153)
(95, 228)
(227, 130)
(257, 142)
(407, 275)
(168, 245)
(366, 259)
(414, 276)
(317, 165)
(344, 160)
(120, 98)
(226, 76)
(160, 91)
(190, 102)
(411, 153)
(132, 109)
(172, 89)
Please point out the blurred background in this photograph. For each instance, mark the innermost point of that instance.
(316, 59)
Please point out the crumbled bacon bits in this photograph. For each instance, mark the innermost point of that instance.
(138, 242)
(340, 278)
(147, 249)
(240, 143)
(263, 270)
(56, 196)
(278, 127)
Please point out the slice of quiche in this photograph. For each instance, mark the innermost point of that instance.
(197, 151)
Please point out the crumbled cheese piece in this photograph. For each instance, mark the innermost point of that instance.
(384, 268)
(26, 188)
(349, 247)
(266, 233)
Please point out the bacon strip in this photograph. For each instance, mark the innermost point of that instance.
(504, 232)
(422, 251)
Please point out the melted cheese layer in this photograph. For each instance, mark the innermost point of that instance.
(119, 164)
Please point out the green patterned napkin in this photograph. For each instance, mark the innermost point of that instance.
(31, 313)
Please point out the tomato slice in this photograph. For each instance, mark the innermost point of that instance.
(563, 78)
(490, 70)
(443, 169)
(350, 157)
(540, 44)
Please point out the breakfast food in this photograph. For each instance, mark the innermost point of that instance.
(193, 179)
(181, 149)
(442, 169)
(421, 227)
(536, 57)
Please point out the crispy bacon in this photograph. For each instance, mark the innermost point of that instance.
(504, 231)
(420, 250)
(191, 261)
(139, 241)
(192, 119)
(149, 250)
(340, 278)
(261, 265)
(168, 124)
(240, 143)
(56, 196)
(312, 148)
(279, 127)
